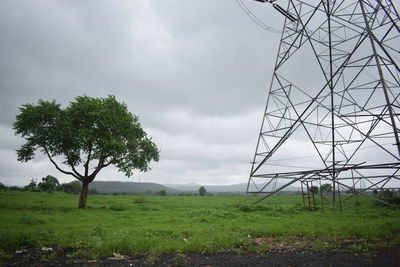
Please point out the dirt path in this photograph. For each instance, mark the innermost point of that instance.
(298, 257)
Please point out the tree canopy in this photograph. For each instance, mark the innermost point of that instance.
(88, 135)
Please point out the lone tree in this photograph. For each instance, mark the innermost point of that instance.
(88, 135)
(202, 191)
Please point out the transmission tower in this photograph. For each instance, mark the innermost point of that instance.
(332, 113)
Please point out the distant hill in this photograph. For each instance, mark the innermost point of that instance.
(210, 188)
(135, 187)
(219, 188)
(129, 187)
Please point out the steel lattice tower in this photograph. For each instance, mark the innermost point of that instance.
(333, 101)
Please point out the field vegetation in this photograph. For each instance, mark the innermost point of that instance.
(155, 224)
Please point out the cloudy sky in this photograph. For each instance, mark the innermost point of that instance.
(195, 72)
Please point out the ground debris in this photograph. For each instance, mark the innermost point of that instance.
(117, 256)
(279, 257)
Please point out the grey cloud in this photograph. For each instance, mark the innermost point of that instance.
(195, 72)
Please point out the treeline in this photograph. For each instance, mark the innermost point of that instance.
(47, 184)
(51, 184)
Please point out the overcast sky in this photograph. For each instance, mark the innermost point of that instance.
(195, 72)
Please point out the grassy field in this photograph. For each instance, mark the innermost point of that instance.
(132, 224)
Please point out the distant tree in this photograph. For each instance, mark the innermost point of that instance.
(93, 191)
(89, 132)
(202, 191)
(71, 188)
(14, 188)
(314, 189)
(162, 193)
(326, 188)
(32, 186)
(48, 184)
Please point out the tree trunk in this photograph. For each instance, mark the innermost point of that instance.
(83, 196)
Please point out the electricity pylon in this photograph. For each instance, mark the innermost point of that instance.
(332, 113)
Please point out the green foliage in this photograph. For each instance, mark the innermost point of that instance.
(181, 224)
(202, 191)
(100, 127)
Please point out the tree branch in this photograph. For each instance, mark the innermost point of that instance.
(72, 166)
(87, 162)
(100, 166)
(58, 168)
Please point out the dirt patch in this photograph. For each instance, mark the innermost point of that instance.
(274, 257)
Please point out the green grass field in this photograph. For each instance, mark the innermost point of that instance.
(132, 224)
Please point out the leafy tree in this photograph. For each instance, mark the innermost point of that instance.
(88, 135)
(314, 189)
(326, 188)
(48, 184)
(32, 186)
(202, 191)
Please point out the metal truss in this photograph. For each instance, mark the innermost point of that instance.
(332, 113)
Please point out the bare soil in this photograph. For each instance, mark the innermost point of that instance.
(276, 257)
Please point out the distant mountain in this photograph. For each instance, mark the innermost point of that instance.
(129, 187)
